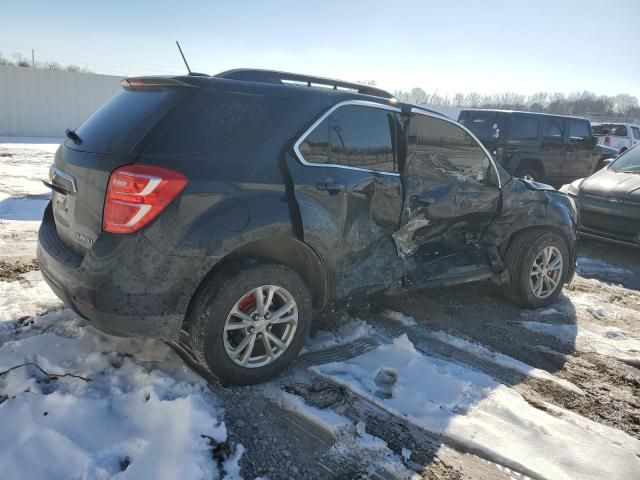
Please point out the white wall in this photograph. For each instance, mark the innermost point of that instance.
(42, 103)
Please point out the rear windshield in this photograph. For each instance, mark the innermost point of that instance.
(212, 118)
(484, 125)
(616, 130)
(126, 116)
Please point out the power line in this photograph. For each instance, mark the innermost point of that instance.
(100, 60)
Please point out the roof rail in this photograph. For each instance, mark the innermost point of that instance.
(272, 76)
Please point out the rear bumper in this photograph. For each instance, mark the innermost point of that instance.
(124, 286)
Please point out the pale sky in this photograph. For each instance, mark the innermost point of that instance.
(468, 46)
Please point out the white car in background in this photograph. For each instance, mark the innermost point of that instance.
(622, 136)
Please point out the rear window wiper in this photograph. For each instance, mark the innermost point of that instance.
(73, 136)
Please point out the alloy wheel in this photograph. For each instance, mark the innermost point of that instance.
(260, 326)
(546, 272)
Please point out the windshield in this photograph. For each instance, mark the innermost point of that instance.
(484, 125)
(628, 162)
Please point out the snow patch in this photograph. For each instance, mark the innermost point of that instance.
(27, 297)
(142, 411)
(471, 408)
(349, 330)
(590, 267)
(483, 353)
(401, 318)
(361, 445)
(586, 337)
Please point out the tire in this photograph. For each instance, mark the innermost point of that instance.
(523, 251)
(215, 332)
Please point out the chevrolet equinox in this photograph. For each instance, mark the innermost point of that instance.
(228, 209)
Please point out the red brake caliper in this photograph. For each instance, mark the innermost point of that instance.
(247, 304)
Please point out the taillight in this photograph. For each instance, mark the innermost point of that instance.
(137, 194)
(607, 141)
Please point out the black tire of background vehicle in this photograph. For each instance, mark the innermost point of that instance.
(622, 150)
(215, 299)
(519, 260)
(532, 172)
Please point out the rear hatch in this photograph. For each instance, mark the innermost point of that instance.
(110, 138)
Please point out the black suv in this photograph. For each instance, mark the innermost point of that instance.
(226, 210)
(549, 148)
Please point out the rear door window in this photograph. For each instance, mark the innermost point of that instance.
(553, 129)
(120, 122)
(525, 127)
(636, 132)
(579, 130)
(354, 136)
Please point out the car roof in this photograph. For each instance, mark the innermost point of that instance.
(520, 111)
(342, 90)
(627, 124)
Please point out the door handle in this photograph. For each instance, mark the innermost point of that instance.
(330, 187)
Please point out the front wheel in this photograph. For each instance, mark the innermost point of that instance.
(248, 323)
(538, 265)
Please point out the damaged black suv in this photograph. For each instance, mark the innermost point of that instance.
(226, 210)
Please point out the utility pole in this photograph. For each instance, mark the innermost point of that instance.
(33, 58)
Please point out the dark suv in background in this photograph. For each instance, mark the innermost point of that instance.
(226, 210)
(550, 148)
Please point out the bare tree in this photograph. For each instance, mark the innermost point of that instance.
(473, 100)
(575, 103)
(624, 103)
(4, 61)
(21, 60)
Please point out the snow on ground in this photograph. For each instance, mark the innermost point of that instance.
(505, 361)
(590, 267)
(471, 408)
(23, 197)
(143, 411)
(364, 445)
(401, 318)
(348, 330)
(27, 297)
(586, 337)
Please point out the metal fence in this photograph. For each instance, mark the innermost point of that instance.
(42, 103)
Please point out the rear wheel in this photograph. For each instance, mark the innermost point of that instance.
(538, 264)
(247, 324)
